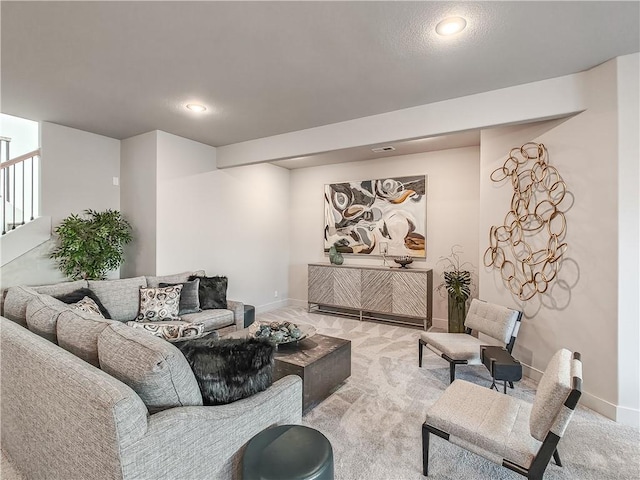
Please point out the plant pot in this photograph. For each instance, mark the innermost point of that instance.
(457, 312)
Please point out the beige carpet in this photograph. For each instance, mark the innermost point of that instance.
(374, 419)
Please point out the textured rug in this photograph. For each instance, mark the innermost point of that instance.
(374, 419)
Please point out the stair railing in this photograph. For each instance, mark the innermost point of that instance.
(10, 196)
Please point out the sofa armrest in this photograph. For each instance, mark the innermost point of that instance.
(207, 442)
(238, 312)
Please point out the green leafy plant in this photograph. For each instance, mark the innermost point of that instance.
(458, 283)
(91, 245)
(457, 277)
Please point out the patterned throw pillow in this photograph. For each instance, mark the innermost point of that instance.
(171, 331)
(159, 303)
(88, 305)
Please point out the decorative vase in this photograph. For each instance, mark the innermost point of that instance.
(335, 257)
(457, 312)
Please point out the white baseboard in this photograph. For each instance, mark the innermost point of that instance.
(294, 302)
(622, 415)
(440, 323)
(271, 306)
(628, 416)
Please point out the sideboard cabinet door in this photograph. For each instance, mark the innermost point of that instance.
(409, 294)
(376, 291)
(320, 288)
(346, 287)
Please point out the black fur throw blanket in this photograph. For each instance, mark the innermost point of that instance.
(229, 369)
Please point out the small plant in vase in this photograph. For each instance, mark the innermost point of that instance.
(458, 283)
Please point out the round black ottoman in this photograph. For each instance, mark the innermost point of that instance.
(288, 452)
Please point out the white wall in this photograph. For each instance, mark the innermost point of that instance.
(233, 222)
(579, 312)
(628, 239)
(452, 210)
(77, 171)
(22, 132)
(138, 188)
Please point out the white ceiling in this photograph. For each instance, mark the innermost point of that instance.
(264, 68)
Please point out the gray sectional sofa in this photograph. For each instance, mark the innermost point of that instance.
(114, 402)
(120, 297)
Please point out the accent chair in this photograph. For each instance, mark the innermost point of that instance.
(498, 322)
(504, 429)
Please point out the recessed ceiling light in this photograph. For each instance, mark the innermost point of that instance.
(451, 26)
(194, 107)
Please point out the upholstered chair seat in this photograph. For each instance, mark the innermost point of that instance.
(459, 346)
(498, 325)
(478, 418)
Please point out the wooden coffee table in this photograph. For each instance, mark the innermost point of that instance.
(322, 362)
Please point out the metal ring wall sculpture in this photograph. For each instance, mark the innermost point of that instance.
(528, 247)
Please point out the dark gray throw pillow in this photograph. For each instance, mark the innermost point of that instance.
(77, 295)
(189, 296)
(212, 292)
(229, 369)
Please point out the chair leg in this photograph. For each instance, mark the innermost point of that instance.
(420, 353)
(425, 451)
(452, 372)
(556, 457)
(510, 384)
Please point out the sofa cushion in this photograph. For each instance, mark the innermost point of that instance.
(159, 303)
(155, 369)
(78, 333)
(189, 296)
(120, 297)
(155, 281)
(212, 292)
(42, 315)
(62, 288)
(212, 319)
(16, 299)
(170, 330)
(78, 295)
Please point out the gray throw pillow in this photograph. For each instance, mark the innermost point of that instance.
(189, 299)
(212, 292)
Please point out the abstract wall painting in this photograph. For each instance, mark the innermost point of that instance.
(366, 216)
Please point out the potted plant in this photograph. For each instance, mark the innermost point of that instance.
(91, 245)
(457, 282)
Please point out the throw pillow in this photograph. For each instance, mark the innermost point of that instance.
(189, 296)
(171, 330)
(212, 292)
(89, 306)
(229, 369)
(79, 294)
(159, 303)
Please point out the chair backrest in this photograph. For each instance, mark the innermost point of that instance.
(557, 395)
(496, 321)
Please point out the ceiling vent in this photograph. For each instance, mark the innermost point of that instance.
(388, 148)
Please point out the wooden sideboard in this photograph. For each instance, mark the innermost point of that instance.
(400, 295)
